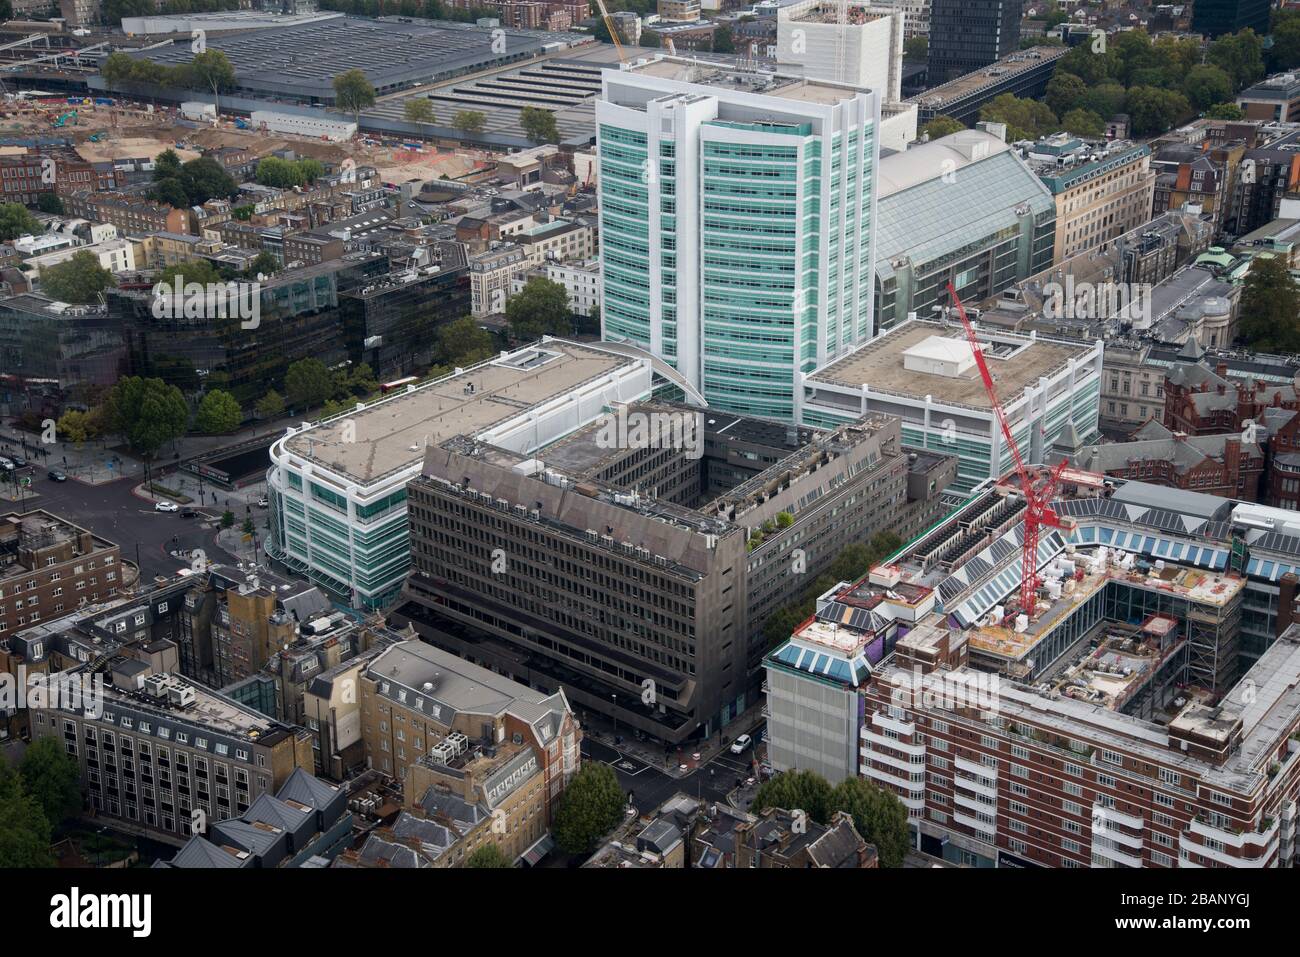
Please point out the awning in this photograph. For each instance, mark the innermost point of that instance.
(538, 851)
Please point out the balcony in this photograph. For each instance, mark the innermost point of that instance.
(881, 720)
(1100, 849)
(893, 743)
(979, 770)
(907, 767)
(978, 787)
(876, 774)
(974, 805)
(1115, 816)
(990, 831)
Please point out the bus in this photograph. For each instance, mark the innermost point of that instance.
(396, 384)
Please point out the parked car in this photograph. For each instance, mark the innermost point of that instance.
(56, 476)
(166, 507)
(5, 464)
(19, 461)
(741, 744)
(263, 502)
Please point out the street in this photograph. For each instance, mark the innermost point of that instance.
(112, 512)
(650, 787)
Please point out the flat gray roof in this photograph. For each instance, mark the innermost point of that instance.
(879, 364)
(392, 433)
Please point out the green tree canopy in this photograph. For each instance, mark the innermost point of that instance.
(590, 807)
(539, 125)
(540, 308)
(204, 179)
(353, 93)
(419, 109)
(147, 413)
(795, 791)
(463, 343)
(1064, 91)
(79, 278)
(218, 412)
(1025, 119)
(1205, 85)
(723, 40)
(1152, 110)
(917, 48)
(308, 383)
(469, 121)
(1225, 111)
(24, 828)
(942, 125)
(50, 203)
(51, 778)
(166, 165)
(16, 221)
(78, 426)
(879, 816)
(191, 270)
(487, 855)
(1240, 55)
(1270, 307)
(1083, 123)
(211, 70)
(270, 406)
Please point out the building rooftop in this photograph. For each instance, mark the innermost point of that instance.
(1016, 363)
(391, 434)
(724, 76)
(978, 80)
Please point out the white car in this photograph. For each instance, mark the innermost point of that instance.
(166, 507)
(741, 744)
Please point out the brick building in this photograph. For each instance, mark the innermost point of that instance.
(49, 567)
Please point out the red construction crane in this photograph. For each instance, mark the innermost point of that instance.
(1038, 490)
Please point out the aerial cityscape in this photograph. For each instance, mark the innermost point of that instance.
(649, 434)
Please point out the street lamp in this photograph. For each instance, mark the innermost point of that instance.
(614, 699)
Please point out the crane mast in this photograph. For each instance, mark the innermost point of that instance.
(1038, 493)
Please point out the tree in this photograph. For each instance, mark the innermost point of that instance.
(270, 406)
(227, 519)
(166, 165)
(147, 413)
(878, 815)
(204, 178)
(80, 278)
(117, 68)
(1240, 55)
(77, 426)
(308, 383)
(312, 169)
(942, 125)
(1083, 123)
(1206, 85)
(469, 121)
(539, 125)
(191, 270)
(804, 791)
(51, 779)
(353, 93)
(249, 527)
(263, 264)
(24, 828)
(1225, 111)
(1285, 54)
(1025, 119)
(723, 40)
(278, 173)
(16, 221)
(487, 855)
(917, 48)
(1064, 91)
(218, 412)
(211, 70)
(591, 805)
(540, 309)
(419, 110)
(50, 203)
(170, 191)
(1270, 307)
(463, 343)
(1104, 99)
(243, 213)
(1153, 110)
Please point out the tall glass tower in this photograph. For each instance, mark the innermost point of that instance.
(736, 215)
